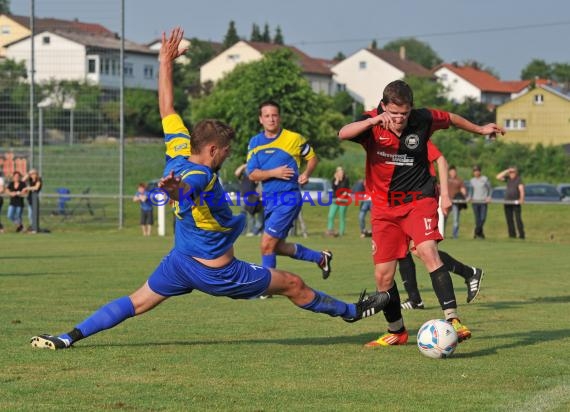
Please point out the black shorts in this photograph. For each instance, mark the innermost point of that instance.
(147, 217)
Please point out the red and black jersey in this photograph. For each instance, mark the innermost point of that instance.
(398, 168)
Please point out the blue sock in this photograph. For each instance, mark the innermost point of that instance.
(106, 317)
(323, 303)
(309, 255)
(269, 261)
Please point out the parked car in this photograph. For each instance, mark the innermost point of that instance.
(541, 192)
(564, 189)
(533, 192)
(498, 193)
(318, 188)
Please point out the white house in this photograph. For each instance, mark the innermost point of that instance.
(463, 82)
(365, 73)
(314, 70)
(93, 58)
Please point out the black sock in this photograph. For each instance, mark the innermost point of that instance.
(456, 266)
(75, 335)
(393, 311)
(407, 268)
(443, 288)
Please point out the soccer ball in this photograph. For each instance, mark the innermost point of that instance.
(437, 339)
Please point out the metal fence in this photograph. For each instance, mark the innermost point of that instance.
(53, 124)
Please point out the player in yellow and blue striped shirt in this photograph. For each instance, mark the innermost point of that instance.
(274, 158)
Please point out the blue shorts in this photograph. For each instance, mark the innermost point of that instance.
(280, 216)
(179, 274)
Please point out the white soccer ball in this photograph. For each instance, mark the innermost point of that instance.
(437, 339)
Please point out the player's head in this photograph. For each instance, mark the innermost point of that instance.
(477, 170)
(270, 116)
(399, 93)
(17, 176)
(397, 101)
(212, 139)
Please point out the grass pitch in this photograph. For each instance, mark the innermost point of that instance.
(200, 353)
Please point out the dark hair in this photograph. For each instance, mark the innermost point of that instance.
(211, 131)
(452, 167)
(16, 173)
(269, 103)
(399, 93)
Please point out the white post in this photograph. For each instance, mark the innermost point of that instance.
(161, 212)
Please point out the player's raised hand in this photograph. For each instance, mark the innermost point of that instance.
(172, 184)
(170, 48)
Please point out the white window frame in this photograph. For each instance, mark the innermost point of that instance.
(538, 98)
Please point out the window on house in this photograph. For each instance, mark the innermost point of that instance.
(128, 68)
(515, 124)
(538, 98)
(362, 65)
(340, 87)
(5, 30)
(522, 123)
(443, 77)
(233, 57)
(105, 66)
(46, 40)
(148, 71)
(508, 123)
(114, 67)
(92, 65)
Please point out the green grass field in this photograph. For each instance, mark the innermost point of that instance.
(199, 353)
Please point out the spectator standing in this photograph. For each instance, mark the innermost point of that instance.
(480, 197)
(340, 185)
(458, 194)
(34, 184)
(514, 198)
(16, 189)
(147, 218)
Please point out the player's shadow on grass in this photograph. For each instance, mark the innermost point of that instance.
(359, 340)
(518, 339)
(515, 303)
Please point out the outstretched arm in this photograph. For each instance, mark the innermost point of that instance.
(311, 165)
(490, 129)
(169, 51)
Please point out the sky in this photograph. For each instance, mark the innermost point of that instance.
(504, 35)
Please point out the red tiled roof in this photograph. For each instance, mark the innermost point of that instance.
(308, 64)
(42, 24)
(409, 67)
(485, 81)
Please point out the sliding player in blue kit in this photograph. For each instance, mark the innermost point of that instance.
(203, 255)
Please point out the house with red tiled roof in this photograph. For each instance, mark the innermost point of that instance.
(463, 82)
(365, 73)
(13, 28)
(316, 71)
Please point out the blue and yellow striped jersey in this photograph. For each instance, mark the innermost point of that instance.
(205, 227)
(286, 149)
(176, 140)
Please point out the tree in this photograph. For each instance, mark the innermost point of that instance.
(340, 56)
(561, 73)
(537, 68)
(231, 36)
(266, 36)
(255, 33)
(5, 7)
(278, 39)
(428, 93)
(373, 44)
(188, 76)
(416, 50)
(235, 99)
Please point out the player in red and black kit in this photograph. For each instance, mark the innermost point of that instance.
(404, 197)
